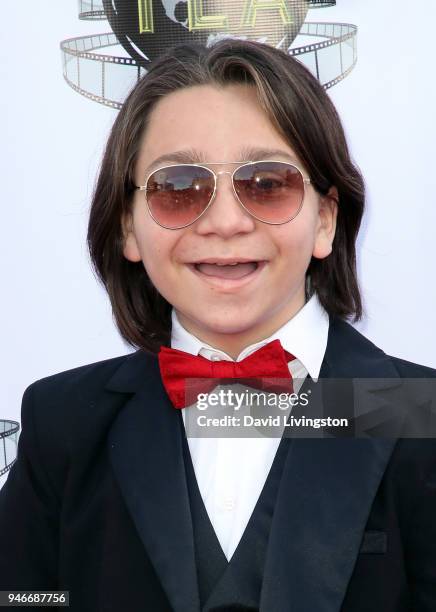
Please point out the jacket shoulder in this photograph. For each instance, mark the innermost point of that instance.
(58, 403)
(351, 342)
(63, 413)
(91, 376)
(409, 369)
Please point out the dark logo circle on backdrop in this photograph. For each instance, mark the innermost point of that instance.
(146, 28)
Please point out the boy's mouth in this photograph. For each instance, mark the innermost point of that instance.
(227, 269)
(235, 270)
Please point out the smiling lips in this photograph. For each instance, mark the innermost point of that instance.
(230, 268)
(237, 270)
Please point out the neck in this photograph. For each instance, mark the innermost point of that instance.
(234, 343)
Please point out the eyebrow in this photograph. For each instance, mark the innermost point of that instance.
(188, 156)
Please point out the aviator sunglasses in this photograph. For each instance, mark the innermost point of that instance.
(270, 191)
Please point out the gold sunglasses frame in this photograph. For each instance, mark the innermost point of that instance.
(306, 181)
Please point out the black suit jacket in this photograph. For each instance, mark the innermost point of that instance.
(97, 501)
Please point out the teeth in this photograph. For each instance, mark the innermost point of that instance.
(230, 264)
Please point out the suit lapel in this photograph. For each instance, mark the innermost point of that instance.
(327, 490)
(145, 451)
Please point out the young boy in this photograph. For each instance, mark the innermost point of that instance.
(252, 273)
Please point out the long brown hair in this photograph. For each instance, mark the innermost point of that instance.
(300, 109)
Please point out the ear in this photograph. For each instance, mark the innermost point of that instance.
(326, 228)
(130, 245)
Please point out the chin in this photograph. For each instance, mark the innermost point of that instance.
(236, 323)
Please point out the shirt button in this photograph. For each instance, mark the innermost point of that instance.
(215, 357)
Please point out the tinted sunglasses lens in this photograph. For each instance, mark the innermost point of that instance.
(271, 191)
(177, 195)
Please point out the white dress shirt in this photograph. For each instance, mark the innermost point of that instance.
(231, 472)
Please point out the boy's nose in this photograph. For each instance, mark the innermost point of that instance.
(225, 214)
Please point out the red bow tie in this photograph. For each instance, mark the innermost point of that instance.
(176, 367)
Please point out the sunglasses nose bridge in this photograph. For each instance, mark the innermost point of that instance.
(231, 174)
(224, 172)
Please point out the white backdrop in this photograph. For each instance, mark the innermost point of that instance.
(54, 314)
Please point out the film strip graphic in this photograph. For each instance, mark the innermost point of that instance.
(91, 11)
(8, 444)
(106, 78)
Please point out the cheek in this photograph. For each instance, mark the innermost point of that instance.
(296, 240)
(155, 245)
(156, 256)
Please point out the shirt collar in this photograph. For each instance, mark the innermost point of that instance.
(305, 336)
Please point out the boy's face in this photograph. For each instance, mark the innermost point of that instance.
(218, 123)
